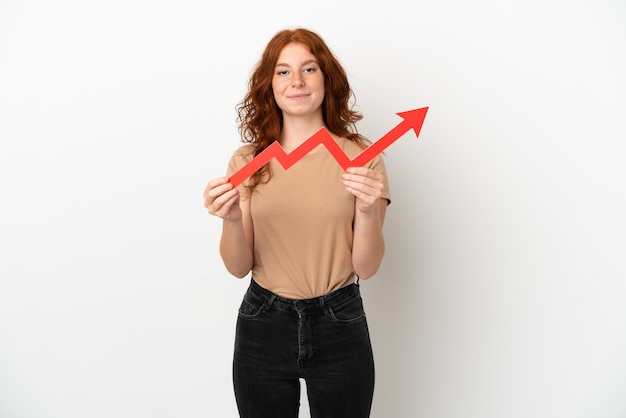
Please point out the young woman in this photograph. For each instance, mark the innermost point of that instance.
(306, 234)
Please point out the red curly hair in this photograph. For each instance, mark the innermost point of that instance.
(260, 119)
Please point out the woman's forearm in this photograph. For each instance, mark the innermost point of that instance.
(236, 248)
(368, 246)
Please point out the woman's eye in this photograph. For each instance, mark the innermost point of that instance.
(310, 70)
(281, 72)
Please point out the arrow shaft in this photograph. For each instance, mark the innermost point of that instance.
(323, 137)
(379, 146)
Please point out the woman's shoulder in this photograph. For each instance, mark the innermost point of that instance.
(245, 151)
(243, 154)
(240, 157)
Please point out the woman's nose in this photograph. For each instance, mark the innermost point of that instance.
(297, 81)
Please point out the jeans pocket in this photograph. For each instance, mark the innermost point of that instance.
(347, 311)
(251, 306)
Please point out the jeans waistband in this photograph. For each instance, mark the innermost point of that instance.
(304, 305)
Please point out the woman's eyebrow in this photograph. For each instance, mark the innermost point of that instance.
(311, 61)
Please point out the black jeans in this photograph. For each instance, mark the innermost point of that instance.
(323, 340)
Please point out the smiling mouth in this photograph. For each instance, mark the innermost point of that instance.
(298, 96)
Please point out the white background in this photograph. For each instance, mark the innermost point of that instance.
(502, 294)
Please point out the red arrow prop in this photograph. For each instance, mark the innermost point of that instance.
(413, 119)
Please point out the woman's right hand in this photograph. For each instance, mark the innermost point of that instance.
(222, 199)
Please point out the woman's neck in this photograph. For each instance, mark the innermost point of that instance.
(297, 130)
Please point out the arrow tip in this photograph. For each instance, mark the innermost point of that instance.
(414, 118)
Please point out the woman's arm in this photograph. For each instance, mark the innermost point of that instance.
(236, 244)
(368, 245)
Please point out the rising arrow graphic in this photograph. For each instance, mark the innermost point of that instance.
(412, 119)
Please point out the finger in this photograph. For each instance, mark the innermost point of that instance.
(214, 183)
(216, 199)
(363, 171)
(224, 206)
(357, 170)
(363, 175)
(366, 185)
(215, 190)
(364, 201)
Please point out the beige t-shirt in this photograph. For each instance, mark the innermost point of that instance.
(302, 221)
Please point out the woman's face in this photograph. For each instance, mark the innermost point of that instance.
(298, 82)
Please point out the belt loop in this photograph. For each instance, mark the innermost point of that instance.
(357, 279)
(270, 301)
(321, 300)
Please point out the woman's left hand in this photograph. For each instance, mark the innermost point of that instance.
(366, 185)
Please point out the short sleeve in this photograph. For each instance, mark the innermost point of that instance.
(378, 165)
(240, 158)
